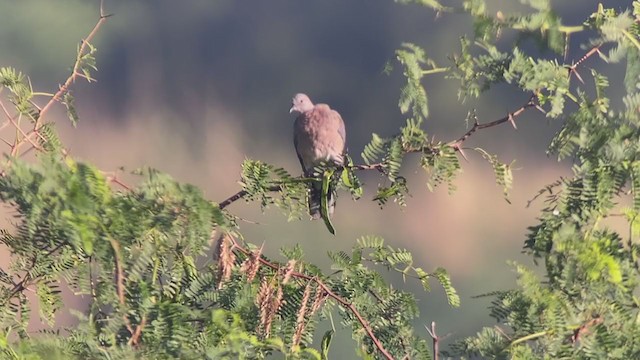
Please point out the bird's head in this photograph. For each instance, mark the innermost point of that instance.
(300, 104)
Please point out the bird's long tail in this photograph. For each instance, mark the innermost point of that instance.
(315, 200)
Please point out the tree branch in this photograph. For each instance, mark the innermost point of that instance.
(235, 197)
(62, 90)
(74, 73)
(455, 144)
(436, 340)
(27, 279)
(510, 117)
(119, 278)
(120, 290)
(17, 126)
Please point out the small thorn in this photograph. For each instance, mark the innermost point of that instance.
(578, 75)
(429, 331)
(462, 153)
(512, 120)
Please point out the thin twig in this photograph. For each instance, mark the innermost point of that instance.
(27, 280)
(64, 88)
(74, 73)
(508, 118)
(114, 179)
(119, 278)
(585, 328)
(573, 68)
(378, 166)
(528, 337)
(119, 272)
(17, 126)
(235, 197)
(135, 337)
(436, 340)
(120, 290)
(499, 329)
(92, 283)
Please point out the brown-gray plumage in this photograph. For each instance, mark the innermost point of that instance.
(319, 136)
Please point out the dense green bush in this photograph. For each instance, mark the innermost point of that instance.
(167, 273)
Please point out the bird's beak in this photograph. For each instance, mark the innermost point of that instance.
(293, 108)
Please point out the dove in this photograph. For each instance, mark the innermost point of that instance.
(318, 136)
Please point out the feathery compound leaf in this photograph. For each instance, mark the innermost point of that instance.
(413, 95)
(443, 278)
(393, 159)
(87, 61)
(397, 191)
(255, 179)
(442, 165)
(374, 149)
(399, 256)
(11, 78)
(69, 102)
(48, 138)
(412, 136)
(20, 90)
(478, 73)
(502, 172)
(370, 241)
(547, 78)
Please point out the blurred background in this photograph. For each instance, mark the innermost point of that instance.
(193, 87)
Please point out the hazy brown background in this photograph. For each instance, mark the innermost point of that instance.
(193, 87)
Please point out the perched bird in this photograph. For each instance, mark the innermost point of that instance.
(319, 136)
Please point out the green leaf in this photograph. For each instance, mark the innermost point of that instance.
(326, 181)
(326, 343)
(413, 96)
(69, 102)
(444, 280)
(502, 172)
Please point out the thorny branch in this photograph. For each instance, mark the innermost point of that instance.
(579, 330)
(436, 340)
(120, 290)
(62, 90)
(239, 195)
(457, 143)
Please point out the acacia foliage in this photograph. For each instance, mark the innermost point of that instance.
(167, 273)
(585, 305)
